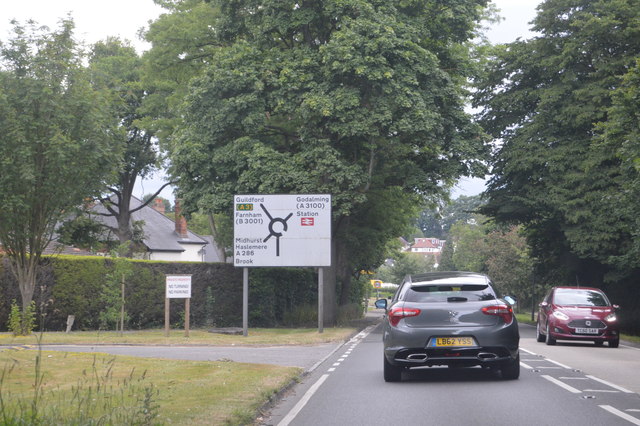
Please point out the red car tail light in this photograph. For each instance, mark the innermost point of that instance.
(396, 314)
(503, 311)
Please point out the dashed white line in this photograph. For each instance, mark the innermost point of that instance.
(307, 396)
(561, 384)
(620, 388)
(621, 414)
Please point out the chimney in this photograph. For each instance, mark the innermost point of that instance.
(158, 205)
(181, 222)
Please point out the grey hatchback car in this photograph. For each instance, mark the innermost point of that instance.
(449, 318)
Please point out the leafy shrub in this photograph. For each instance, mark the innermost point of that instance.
(22, 323)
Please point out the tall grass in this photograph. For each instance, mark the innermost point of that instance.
(97, 398)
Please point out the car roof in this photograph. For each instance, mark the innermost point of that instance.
(566, 287)
(453, 277)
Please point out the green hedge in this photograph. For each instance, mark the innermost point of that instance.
(72, 285)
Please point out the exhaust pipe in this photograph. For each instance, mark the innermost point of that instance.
(417, 357)
(486, 355)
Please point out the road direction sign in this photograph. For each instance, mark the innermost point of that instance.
(282, 230)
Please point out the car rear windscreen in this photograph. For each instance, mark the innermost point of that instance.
(449, 293)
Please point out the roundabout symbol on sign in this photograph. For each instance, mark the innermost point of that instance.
(273, 232)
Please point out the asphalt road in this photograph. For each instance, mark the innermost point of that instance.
(348, 388)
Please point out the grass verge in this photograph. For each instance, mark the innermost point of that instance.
(78, 388)
(257, 336)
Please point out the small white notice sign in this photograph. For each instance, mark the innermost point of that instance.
(178, 287)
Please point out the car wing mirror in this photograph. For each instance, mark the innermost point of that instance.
(381, 303)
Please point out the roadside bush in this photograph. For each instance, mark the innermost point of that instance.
(74, 285)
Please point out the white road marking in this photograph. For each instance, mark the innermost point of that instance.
(562, 384)
(526, 366)
(303, 401)
(620, 388)
(557, 363)
(307, 396)
(621, 414)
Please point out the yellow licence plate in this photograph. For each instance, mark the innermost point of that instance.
(452, 341)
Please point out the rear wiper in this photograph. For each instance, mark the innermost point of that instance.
(457, 299)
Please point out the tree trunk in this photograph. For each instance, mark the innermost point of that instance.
(25, 272)
(217, 245)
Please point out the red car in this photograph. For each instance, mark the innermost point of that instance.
(577, 313)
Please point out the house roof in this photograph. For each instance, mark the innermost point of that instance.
(427, 243)
(159, 230)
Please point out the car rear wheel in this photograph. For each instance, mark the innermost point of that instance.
(549, 340)
(392, 373)
(614, 343)
(511, 369)
(539, 335)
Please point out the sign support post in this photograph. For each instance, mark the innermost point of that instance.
(320, 300)
(245, 301)
(287, 230)
(166, 316)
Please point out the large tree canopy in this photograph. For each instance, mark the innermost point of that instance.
(544, 97)
(54, 146)
(360, 99)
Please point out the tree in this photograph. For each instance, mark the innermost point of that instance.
(469, 247)
(184, 42)
(406, 264)
(621, 135)
(55, 150)
(509, 264)
(436, 222)
(544, 97)
(360, 99)
(116, 68)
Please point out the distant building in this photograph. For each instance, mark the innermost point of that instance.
(428, 247)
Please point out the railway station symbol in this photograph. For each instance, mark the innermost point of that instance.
(273, 232)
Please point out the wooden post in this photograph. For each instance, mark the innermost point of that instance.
(122, 308)
(166, 317)
(187, 308)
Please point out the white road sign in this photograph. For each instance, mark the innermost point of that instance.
(282, 230)
(178, 287)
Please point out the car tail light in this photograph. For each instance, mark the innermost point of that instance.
(503, 311)
(396, 314)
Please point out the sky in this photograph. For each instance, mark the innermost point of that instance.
(97, 19)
